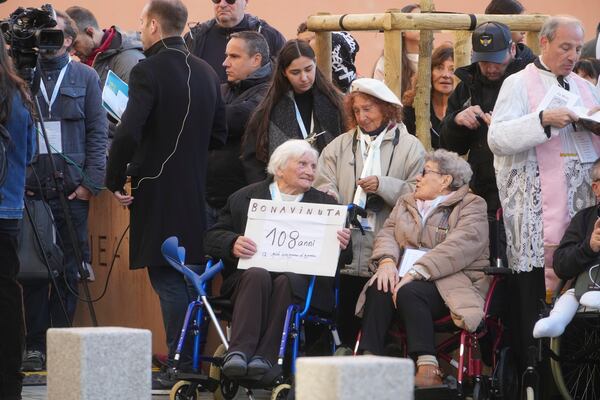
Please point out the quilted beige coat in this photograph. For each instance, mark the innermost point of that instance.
(454, 255)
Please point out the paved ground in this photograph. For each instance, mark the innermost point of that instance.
(39, 393)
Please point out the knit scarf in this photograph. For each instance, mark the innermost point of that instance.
(109, 36)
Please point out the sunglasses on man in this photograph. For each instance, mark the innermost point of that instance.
(228, 1)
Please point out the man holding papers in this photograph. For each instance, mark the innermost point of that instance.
(542, 162)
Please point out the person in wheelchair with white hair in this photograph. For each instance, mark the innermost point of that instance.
(449, 225)
(260, 298)
(578, 252)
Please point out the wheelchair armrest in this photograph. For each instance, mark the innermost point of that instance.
(496, 271)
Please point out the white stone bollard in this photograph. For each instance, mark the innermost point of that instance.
(99, 364)
(345, 378)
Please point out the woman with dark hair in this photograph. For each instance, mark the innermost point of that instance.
(300, 104)
(505, 7)
(442, 85)
(588, 69)
(17, 137)
(371, 165)
(410, 54)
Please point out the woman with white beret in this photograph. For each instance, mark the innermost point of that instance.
(371, 165)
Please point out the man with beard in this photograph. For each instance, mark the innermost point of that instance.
(71, 105)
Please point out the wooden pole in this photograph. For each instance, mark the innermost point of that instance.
(423, 21)
(533, 41)
(422, 101)
(462, 48)
(392, 56)
(323, 52)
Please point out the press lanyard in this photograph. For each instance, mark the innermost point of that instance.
(301, 122)
(56, 88)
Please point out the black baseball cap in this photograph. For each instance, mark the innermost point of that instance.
(491, 42)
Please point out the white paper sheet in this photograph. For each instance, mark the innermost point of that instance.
(409, 258)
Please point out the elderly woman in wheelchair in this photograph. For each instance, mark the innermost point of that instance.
(438, 238)
(260, 298)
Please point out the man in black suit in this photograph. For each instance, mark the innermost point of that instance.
(174, 115)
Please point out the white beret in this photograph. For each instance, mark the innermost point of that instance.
(375, 88)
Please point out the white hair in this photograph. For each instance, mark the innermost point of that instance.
(552, 24)
(292, 149)
(450, 163)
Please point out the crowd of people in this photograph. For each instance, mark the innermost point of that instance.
(232, 111)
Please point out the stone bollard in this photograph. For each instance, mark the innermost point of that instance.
(99, 364)
(345, 378)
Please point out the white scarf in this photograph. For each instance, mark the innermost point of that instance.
(425, 207)
(276, 194)
(370, 151)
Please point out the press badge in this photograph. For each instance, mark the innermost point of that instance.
(54, 133)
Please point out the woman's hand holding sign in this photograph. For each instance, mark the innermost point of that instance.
(244, 247)
(344, 238)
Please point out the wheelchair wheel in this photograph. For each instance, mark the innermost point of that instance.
(505, 381)
(281, 392)
(480, 389)
(577, 371)
(184, 390)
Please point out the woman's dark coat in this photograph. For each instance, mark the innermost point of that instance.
(219, 241)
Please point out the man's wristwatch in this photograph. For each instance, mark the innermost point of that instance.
(415, 275)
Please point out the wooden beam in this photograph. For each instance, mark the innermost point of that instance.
(392, 57)
(323, 51)
(533, 41)
(462, 48)
(416, 21)
(422, 101)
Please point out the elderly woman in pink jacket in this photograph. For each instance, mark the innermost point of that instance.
(428, 257)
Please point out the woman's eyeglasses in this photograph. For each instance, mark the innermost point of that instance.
(430, 171)
(228, 1)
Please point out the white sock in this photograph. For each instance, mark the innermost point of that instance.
(563, 312)
(591, 299)
(427, 359)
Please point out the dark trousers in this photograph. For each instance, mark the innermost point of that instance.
(527, 292)
(175, 294)
(260, 301)
(12, 333)
(418, 304)
(42, 301)
(347, 322)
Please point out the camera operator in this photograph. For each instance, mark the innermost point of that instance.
(18, 140)
(71, 105)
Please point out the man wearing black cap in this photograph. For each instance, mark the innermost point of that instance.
(464, 129)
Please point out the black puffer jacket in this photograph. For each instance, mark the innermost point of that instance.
(476, 89)
(195, 39)
(225, 170)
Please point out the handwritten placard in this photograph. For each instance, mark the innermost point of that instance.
(294, 237)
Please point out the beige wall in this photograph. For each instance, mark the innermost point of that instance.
(287, 14)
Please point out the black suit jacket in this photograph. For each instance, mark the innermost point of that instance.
(220, 238)
(154, 139)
